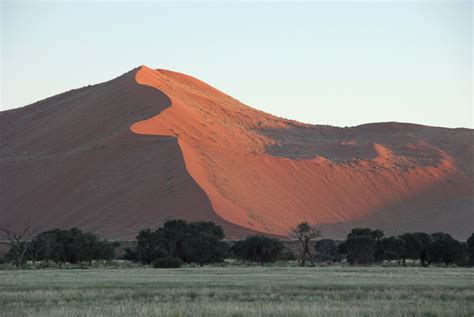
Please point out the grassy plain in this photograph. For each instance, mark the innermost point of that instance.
(239, 291)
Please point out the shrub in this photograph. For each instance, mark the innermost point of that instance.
(169, 262)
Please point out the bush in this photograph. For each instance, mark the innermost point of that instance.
(169, 262)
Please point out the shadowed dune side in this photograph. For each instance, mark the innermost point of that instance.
(71, 160)
(260, 175)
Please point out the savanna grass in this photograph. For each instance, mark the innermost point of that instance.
(239, 291)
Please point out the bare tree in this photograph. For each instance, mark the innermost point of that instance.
(18, 240)
(305, 233)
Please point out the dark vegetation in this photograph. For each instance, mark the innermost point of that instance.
(365, 246)
(178, 242)
(61, 246)
(258, 249)
(168, 262)
(194, 242)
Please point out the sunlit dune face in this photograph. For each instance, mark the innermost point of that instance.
(268, 174)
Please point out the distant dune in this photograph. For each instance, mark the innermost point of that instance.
(153, 145)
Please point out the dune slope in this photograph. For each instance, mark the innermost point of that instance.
(153, 145)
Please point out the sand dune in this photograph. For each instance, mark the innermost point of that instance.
(155, 144)
(228, 146)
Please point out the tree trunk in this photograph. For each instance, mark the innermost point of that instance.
(306, 251)
(303, 259)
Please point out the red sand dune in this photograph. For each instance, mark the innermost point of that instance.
(154, 144)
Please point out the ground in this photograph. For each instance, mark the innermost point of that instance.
(239, 291)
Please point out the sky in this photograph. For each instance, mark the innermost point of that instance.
(336, 63)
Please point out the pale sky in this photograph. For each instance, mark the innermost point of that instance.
(337, 63)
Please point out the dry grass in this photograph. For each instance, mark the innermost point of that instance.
(239, 291)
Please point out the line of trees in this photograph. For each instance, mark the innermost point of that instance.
(178, 242)
(60, 246)
(364, 246)
(201, 242)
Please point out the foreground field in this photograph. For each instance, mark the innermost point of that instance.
(239, 291)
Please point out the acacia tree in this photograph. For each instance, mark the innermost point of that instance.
(305, 232)
(18, 241)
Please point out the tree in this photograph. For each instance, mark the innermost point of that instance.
(259, 249)
(426, 242)
(304, 233)
(49, 247)
(326, 251)
(131, 255)
(363, 246)
(18, 242)
(412, 248)
(470, 249)
(394, 248)
(360, 249)
(72, 245)
(376, 235)
(204, 244)
(195, 242)
(89, 247)
(445, 249)
(148, 246)
(173, 236)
